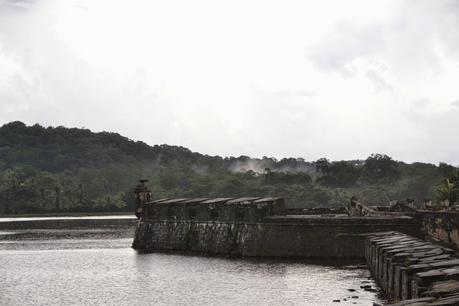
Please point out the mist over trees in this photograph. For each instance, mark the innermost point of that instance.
(69, 169)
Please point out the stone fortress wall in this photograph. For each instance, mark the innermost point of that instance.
(253, 227)
(411, 253)
(437, 226)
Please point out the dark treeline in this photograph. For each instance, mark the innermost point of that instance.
(45, 170)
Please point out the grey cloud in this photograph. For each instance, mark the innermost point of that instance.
(408, 41)
(378, 81)
(420, 103)
(445, 17)
(54, 87)
(439, 132)
(346, 43)
(17, 4)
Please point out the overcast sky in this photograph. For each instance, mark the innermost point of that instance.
(336, 79)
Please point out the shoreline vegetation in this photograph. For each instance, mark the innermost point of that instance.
(58, 170)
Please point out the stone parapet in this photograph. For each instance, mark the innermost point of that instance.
(441, 226)
(247, 209)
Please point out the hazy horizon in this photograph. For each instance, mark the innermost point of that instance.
(334, 79)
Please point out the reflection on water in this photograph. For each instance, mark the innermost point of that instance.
(98, 267)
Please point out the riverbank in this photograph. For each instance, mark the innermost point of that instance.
(68, 222)
(67, 214)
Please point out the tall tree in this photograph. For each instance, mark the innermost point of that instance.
(380, 168)
(448, 190)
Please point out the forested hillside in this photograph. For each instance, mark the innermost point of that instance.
(68, 169)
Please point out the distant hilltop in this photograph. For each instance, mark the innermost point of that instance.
(49, 169)
(60, 148)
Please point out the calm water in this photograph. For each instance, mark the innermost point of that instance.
(98, 267)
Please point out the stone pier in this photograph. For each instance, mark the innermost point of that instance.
(412, 271)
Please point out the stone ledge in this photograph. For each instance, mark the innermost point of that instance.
(412, 271)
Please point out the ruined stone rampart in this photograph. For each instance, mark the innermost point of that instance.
(255, 227)
(438, 226)
(358, 209)
(304, 237)
(317, 211)
(249, 209)
(413, 271)
(441, 226)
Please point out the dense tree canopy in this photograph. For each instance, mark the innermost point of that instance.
(338, 173)
(69, 169)
(379, 168)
